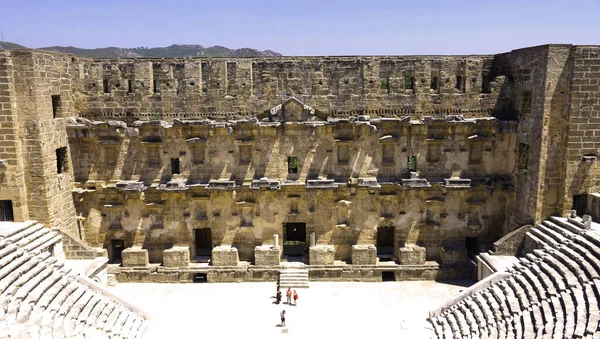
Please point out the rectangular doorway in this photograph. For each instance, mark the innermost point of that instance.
(116, 250)
(580, 204)
(386, 239)
(203, 242)
(294, 238)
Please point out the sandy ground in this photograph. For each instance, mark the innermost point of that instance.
(326, 309)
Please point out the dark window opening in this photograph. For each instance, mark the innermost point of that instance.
(579, 204)
(485, 83)
(471, 245)
(434, 83)
(523, 156)
(55, 105)
(175, 166)
(156, 86)
(106, 86)
(200, 278)
(292, 165)
(61, 160)
(409, 82)
(388, 276)
(116, 251)
(6, 210)
(130, 86)
(412, 163)
(526, 103)
(460, 83)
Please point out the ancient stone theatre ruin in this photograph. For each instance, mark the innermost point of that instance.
(342, 168)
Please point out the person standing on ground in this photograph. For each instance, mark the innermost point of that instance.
(278, 297)
(282, 314)
(295, 298)
(288, 296)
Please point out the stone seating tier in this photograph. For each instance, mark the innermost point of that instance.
(41, 298)
(552, 292)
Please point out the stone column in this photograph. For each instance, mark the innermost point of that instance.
(276, 246)
(313, 241)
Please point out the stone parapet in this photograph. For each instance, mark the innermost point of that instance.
(321, 255)
(266, 256)
(453, 255)
(411, 255)
(225, 256)
(364, 255)
(135, 257)
(176, 257)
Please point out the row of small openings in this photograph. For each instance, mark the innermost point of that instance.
(293, 163)
(460, 84)
(131, 86)
(409, 84)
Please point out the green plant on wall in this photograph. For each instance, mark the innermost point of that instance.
(384, 83)
(412, 163)
(408, 82)
(292, 165)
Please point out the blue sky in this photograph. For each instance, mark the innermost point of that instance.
(305, 27)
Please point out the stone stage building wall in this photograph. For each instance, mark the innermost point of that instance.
(494, 142)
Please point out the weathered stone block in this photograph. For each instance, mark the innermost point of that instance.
(321, 255)
(364, 255)
(453, 254)
(176, 257)
(266, 256)
(411, 255)
(225, 256)
(135, 257)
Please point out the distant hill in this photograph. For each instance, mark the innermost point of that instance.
(9, 45)
(173, 51)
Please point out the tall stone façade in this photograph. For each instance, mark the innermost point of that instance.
(406, 159)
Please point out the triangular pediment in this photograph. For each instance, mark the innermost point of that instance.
(292, 110)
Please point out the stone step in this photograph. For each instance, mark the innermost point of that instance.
(566, 224)
(293, 278)
(20, 233)
(40, 298)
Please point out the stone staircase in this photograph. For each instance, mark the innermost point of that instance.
(293, 278)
